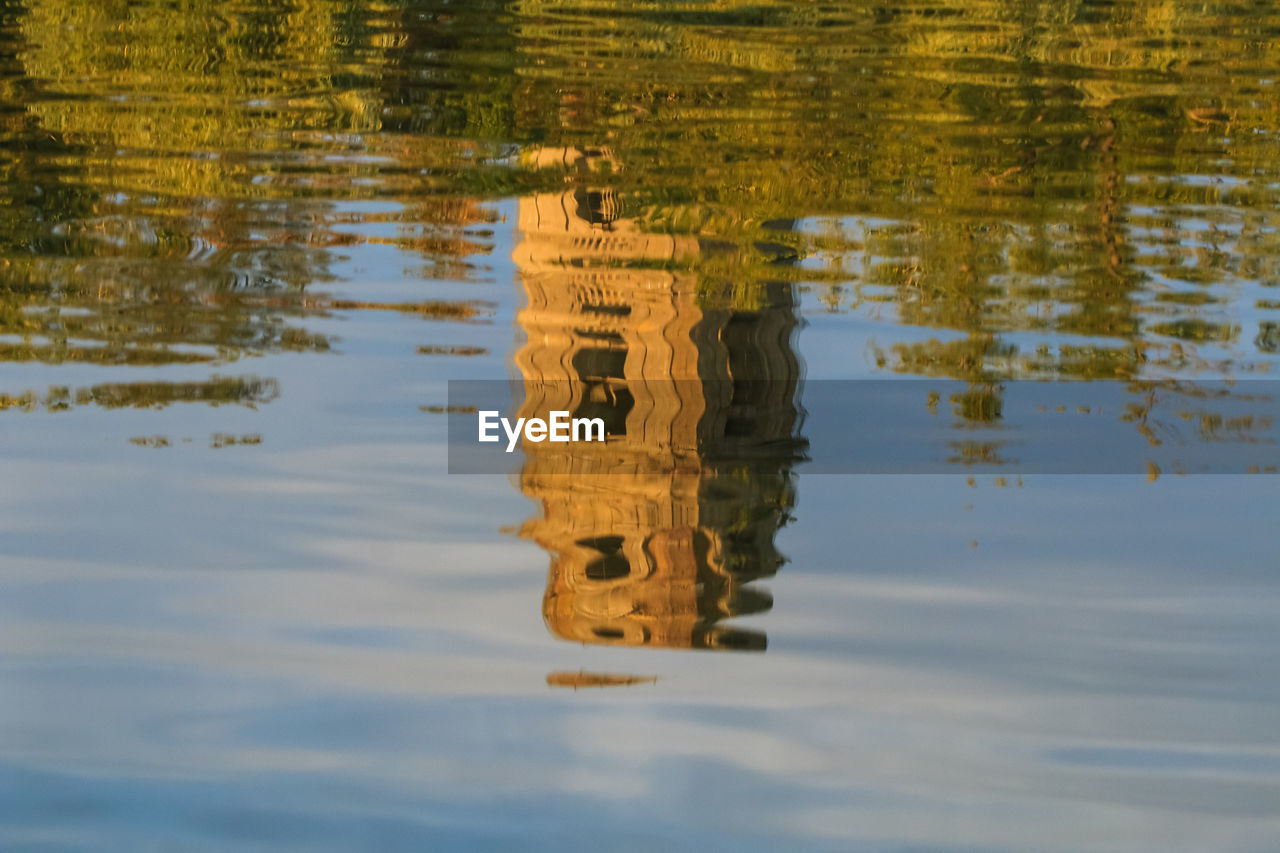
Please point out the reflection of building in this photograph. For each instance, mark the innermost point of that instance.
(656, 533)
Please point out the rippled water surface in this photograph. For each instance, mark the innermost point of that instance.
(244, 248)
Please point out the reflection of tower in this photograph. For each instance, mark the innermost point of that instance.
(656, 533)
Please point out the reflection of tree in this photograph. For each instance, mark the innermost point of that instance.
(1063, 190)
(218, 390)
(1191, 412)
(172, 180)
(656, 534)
(1041, 174)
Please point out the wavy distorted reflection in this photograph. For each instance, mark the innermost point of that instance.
(657, 534)
(268, 615)
(168, 198)
(174, 178)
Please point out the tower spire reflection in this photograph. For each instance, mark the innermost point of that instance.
(656, 535)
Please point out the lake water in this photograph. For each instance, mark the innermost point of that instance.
(245, 248)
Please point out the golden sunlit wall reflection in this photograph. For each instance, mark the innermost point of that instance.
(656, 535)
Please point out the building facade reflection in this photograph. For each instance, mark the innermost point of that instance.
(656, 535)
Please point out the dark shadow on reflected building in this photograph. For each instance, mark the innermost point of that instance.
(657, 534)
